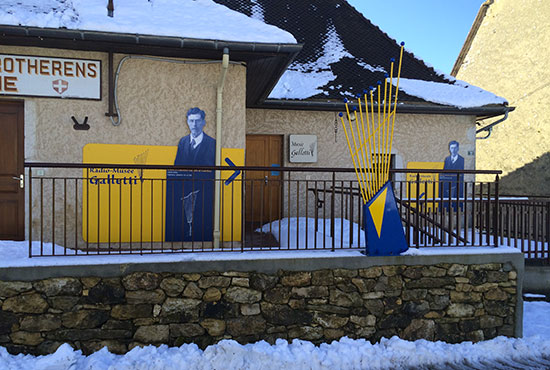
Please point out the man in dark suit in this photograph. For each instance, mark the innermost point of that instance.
(197, 148)
(451, 185)
(189, 194)
(455, 161)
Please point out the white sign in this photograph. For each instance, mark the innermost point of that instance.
(50, 77)
(303, 148)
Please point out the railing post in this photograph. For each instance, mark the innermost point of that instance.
(332, 212)
(547, 231)
(416, 237)
(30, 211)
(496, 214)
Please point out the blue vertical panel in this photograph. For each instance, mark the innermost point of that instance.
(382, 224)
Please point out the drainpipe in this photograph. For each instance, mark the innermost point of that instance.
(219, 111)
(489, 127)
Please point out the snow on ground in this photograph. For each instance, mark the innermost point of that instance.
(15, 254)
(299, 233)
(393, 353)
(291, 233)
(536, 321)
(201, 19)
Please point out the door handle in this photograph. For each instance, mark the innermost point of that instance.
(265, 179)
(21, 179)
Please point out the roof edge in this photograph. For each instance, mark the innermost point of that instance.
(149, 40)
(484, 111)
(471, 35)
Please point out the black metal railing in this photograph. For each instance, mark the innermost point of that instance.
(83, 209)
(525, 224)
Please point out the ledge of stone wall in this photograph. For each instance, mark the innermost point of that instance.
(445, 297)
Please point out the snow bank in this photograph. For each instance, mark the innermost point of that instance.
(346, 353)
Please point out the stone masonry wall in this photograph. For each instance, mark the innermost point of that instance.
(450, 302)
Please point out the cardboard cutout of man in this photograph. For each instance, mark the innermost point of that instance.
(189, 194)
(449, 184)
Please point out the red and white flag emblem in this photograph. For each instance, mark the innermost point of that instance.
(60, 86)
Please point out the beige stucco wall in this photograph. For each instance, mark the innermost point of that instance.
(153, 97)
(417, 137)
(509, 57)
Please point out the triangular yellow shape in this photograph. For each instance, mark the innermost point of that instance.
(376, 209)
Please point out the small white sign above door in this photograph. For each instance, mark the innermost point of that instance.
(302, 148)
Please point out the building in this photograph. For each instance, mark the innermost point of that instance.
(503, 53)
(139, 71)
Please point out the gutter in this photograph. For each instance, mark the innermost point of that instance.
(489, 127)
(147, 40)
(485, 111)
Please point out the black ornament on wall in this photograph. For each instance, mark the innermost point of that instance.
(81, 126)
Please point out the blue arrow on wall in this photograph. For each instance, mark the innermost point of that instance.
(234, 175)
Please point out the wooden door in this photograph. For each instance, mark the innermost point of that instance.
(263, 188)
(12, 196)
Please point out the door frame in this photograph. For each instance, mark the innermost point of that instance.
(19, 106)
(281, 159)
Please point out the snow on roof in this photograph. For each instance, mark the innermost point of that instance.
(460, 94)
(201, 19)
(303, 80)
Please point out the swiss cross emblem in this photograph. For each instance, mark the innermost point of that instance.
(60, 86)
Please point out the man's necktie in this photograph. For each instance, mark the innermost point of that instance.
(192, 143)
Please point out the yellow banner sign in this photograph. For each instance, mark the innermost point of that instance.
(129, 205)
(428, 189)
(231, 195)
(120, 204)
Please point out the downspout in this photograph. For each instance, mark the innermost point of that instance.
(219, 111)
(489, 127)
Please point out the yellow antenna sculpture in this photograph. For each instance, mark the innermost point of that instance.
(370, 150)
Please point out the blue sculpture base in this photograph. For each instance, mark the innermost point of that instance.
(382, 224)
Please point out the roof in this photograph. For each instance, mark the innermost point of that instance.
(339, 52)
(344, 53)
(198, 29)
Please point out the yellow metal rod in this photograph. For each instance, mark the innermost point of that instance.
(353, 159)
(366, 143)
(364, 149)
(396, 92)
(378, 144)
(373, 138)
(369, 144)
(363, 157)
(355, 144)
(385, 127)
(390, 139)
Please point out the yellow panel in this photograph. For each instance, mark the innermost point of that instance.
(376, 210)
(231, 201)
(427, 180)
(123, 205)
